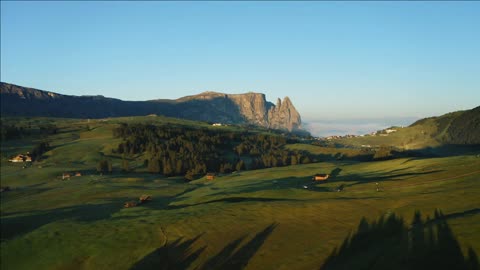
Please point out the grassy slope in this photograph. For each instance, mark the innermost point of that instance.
(431, 132)
(53, 224)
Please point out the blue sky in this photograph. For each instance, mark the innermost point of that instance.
(335, 60)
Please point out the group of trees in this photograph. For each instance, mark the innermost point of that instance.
(104, 166)
(39, 149)
(13, 131)
(178, 150)
(9, 132)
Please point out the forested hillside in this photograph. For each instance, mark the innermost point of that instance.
(192, 152)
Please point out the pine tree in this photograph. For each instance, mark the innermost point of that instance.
(240, 165)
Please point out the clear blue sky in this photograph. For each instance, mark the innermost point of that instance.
(333, 59)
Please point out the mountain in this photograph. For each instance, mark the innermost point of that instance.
(248, 108)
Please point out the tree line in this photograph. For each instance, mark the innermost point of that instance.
(12, 131)
(191, 152)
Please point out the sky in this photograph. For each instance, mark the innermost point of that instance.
(351, 63)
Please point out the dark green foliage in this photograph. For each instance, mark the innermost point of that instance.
(154, 165)
(175, 150)
(389, 244)
(104, 166)
(383, 153)
(125, 165)
(16, 131)
(240, 165)
(39, 149)
(459, 128)
(465, 129)
(9, 132)
(48, 129)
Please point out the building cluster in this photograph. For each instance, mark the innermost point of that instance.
(21, 158)
(336, 137)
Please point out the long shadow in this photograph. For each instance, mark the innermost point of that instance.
(180, 254)
(230, 259)
(175, 255)
(226, 200)
(24, 191)
(307, 184)
(390, 244)
(470, 212)
(445, 150)
(275, 184)
(335, 172)
(364, 178)
(19, 223)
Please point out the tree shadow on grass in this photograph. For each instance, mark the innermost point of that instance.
(389, 244)
(19, 223)
(279, 184)
(180, 255)
(319, 186)
(175, 255)
(364, 178)
(234, 258)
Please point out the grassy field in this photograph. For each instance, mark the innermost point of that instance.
(264, 219)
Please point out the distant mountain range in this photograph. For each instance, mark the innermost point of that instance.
(248, 108)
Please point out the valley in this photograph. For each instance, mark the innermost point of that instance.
(272, 218)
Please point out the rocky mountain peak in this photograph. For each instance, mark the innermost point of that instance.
(284, 115)
(251, 107)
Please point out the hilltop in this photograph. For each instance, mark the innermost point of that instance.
(248, 108)
(461, 128)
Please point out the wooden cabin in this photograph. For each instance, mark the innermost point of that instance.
(210, 176)
(130, 204)
(320, 177)
(145, 198)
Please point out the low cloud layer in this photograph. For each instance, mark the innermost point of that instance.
(354, 126)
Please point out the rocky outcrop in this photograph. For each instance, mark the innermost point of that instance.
(255, 109)
(26, 93)
(249, 108)
(284, 115)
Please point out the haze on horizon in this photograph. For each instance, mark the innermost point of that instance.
(355, 65)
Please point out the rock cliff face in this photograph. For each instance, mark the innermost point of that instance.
(251, 108)
(284, 115)
(254, 108)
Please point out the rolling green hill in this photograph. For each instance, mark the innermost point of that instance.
(457, 128)
(274, 218)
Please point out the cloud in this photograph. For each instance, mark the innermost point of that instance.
(353, 126)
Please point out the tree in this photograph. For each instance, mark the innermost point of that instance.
(125, 165)
(154, 165)
(240, 165)
(39, 149)
(306, 160)
(167, 167)
(102, 166)
(109, 166)
(383, 153)
(293, 160)
(190, 175)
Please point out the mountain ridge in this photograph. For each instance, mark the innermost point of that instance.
(246, 108)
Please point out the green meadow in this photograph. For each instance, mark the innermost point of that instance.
(274, 218)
